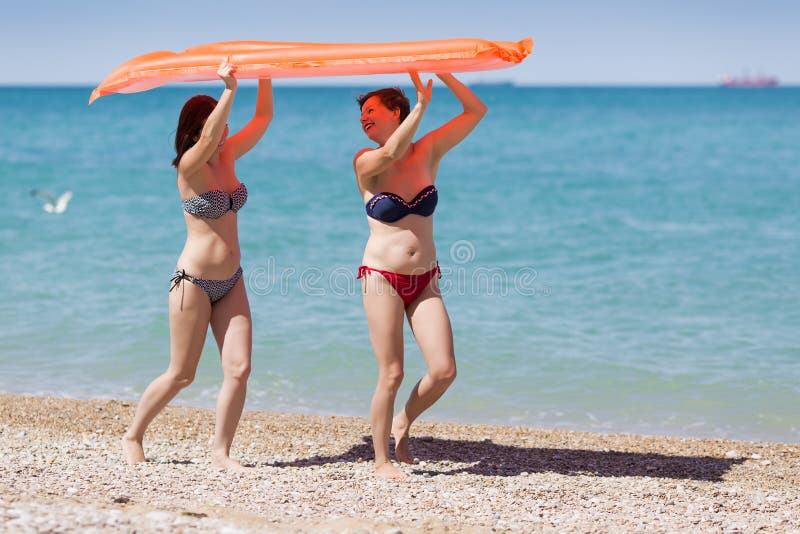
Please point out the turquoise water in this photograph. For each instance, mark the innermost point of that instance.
(615, 259)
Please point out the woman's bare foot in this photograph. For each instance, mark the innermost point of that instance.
(388, 471)
(132, 450)
(227, 463)
(400, 433)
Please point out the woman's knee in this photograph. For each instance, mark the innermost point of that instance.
(180, 377)
(391, 379)
(443, 374)
(239, 370)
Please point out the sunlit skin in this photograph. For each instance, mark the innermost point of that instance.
(211, 251)
(406, 246)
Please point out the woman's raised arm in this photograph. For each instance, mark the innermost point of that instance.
(246, 138)
(214, 127)
(456, 129)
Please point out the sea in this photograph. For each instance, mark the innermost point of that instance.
(615, 259)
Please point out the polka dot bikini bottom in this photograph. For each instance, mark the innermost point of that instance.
(215, 289)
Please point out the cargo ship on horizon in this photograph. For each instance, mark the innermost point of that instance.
(749, 81)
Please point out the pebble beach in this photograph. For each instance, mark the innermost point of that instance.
(61, 471)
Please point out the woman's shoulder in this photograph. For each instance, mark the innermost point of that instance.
(361, 152)
(190, 185)
(424, 143)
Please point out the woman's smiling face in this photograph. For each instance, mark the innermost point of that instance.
(377, 121)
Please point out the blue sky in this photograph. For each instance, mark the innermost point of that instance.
(576, 42)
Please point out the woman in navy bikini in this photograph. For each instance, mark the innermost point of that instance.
(400, 272)
(207, 287)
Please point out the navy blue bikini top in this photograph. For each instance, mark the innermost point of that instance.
(389, 207)
(216, 203)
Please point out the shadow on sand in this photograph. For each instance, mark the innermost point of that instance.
(490, 459)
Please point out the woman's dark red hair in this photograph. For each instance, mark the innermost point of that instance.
(190, 123)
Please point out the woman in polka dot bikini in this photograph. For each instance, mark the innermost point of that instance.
(215, 292)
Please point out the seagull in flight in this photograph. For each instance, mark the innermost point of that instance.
(51, 203)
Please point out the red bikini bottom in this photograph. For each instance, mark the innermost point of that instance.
(408, 286)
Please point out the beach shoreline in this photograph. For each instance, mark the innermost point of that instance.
(61, 470)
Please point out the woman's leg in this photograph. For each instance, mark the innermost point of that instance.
(233, 330)
(384, 310)
(189, 313)
(431, 326)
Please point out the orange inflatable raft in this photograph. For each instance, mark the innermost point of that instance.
(258, 59)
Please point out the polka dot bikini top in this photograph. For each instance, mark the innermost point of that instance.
(216, 203)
